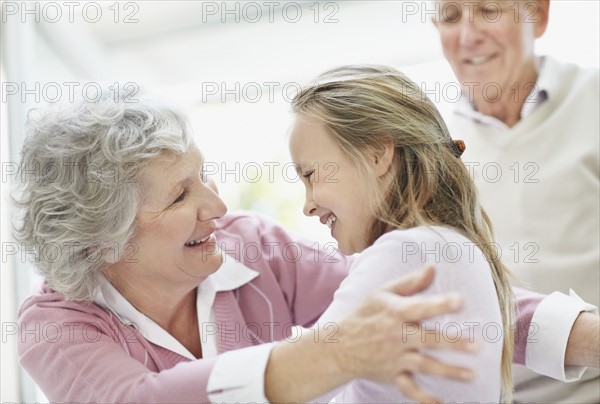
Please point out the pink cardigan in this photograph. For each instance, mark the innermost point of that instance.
(79, 352)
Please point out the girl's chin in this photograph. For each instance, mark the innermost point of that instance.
(349, 249)
(345, 249)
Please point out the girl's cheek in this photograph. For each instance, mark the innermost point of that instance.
(321, 198)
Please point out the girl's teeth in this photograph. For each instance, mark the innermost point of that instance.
(330, 221)
(196, 242)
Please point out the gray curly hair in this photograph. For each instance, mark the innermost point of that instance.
(80, 193)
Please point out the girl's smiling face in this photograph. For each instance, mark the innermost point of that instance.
(336, 189)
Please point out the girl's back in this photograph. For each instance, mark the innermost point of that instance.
(460, 267)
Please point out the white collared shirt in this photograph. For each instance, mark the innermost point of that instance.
(232, 275)
(238, 373)
(544, 88)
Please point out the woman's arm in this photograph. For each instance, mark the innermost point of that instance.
(84, 356)
(583, 348)
(554, 332)
(80, 357)
(373, 343)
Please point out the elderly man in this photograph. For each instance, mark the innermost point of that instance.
(531, 128)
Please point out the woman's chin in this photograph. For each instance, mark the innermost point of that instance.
(212, 262)
(204, 260)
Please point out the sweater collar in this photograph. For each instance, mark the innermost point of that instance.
(232, 275)
(546, 86)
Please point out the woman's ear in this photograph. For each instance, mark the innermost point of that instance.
(383, 157)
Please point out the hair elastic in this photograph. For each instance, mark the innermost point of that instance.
(458, 147)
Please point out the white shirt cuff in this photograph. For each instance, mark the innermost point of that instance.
(549, 333)
(239, 376)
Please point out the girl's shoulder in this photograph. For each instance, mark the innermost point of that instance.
(423, 235)
(412, 248)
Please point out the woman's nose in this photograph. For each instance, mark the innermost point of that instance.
(211, 206)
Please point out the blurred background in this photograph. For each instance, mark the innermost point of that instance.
(233, 67)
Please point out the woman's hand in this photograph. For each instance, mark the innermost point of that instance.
(382, 339)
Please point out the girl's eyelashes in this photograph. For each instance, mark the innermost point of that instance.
(308, 174)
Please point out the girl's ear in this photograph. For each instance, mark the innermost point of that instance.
(383, 157)
(542, 12)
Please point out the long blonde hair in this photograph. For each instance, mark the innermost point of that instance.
(364, 107)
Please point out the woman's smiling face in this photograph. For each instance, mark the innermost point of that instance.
(174, 241)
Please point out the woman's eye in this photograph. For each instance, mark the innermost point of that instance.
(204, 177)
(180, 198)
(308, 174)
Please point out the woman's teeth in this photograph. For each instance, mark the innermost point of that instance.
(196, 242)
(330, 221)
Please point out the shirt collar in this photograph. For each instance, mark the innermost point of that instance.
(545, 86)
(231, 275)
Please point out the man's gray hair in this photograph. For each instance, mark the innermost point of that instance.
(79, 178)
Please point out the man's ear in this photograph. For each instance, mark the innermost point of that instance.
(541, 16)
(383, 157)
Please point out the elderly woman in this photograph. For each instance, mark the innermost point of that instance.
(141, 304)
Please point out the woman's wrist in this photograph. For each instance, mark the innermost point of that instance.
(306, 368)
(583, 347)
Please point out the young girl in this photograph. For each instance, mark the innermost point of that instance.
(382, 172)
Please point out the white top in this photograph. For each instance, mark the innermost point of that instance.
(460, 267)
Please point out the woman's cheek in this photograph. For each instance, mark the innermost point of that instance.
(182, 222)
(168, 227)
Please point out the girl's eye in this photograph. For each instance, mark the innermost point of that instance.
(180, 198)
(308, 174)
